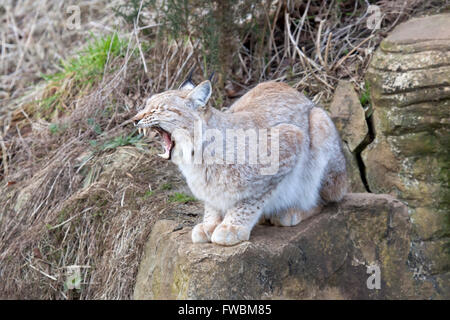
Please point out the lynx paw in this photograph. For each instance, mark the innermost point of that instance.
(229, 235)
(286, 219)
(202, 232)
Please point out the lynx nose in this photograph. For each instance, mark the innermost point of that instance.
(137, 118)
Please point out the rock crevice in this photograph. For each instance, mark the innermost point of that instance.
(351, 122)
(358, 152)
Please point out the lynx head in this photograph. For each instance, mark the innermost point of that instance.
(174, 109)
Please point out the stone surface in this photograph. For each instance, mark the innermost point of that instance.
(353, 170)
(420, 34)
(348, 115)
(325, 257)
(409, 79)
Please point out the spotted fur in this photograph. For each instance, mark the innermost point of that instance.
(311, 169)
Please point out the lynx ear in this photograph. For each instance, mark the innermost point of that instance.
(188, 84)
(200, 95)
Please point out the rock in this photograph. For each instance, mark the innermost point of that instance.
(348, 115)
(420, 34)
(353, 170)
(409, 79)
(325, 257)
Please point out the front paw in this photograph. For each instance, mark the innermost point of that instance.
(202, 232)
(229, 235)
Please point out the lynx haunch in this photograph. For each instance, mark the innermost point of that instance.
(310, 165)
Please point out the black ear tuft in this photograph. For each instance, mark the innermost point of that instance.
(211, 77)
(188, 84)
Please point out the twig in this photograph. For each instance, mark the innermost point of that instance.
(70, 219)
(4, 156)
(42, 272)
(150, 26)
(351, 51)
(300, 53)
(317, 77)
(319, 31)
(327, 48)
(300, 26)
(136, 31)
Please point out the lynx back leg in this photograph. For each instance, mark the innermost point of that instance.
(325, 136)
(334, 186)
(293, 216)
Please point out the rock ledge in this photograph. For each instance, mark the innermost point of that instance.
(325, 257)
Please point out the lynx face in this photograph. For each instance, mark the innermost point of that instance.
(172, 110)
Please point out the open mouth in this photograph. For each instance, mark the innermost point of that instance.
(167, 141)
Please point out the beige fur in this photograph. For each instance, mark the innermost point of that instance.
(310, 169)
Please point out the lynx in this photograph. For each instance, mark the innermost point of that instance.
(310, 168)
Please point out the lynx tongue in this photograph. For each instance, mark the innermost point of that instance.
(168, 144)
(167, 140)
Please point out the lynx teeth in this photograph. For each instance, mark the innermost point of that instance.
(165, 155)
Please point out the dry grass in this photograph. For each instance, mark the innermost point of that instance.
(35, 36)
(78, 186)
(74, 181)
(75, 190)
(313, 44)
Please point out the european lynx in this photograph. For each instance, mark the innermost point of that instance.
(305, 151)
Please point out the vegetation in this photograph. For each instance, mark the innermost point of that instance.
(88, 65)
(365, 95)
(75, 179)
(79, 74)
(181, 197)
(148, 193)
(215, 24)
(166, 186)
(121, 141)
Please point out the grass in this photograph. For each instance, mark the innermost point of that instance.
(181, 198)
(78, 75)
(88, 65)
(365, 95)
(54, 128)
(166, 186)
(364, 99)
(148, 193)
(119, 141)
(94, 125)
